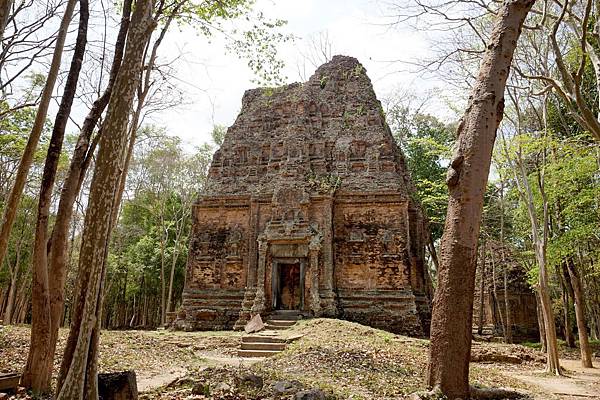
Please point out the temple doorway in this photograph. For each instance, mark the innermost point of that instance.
(288, 286)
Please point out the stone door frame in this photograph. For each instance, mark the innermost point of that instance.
(275, 262)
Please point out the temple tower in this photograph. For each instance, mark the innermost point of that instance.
(308, 207)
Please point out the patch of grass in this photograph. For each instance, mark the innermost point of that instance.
(532, 345)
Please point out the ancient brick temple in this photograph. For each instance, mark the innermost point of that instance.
(308, 207)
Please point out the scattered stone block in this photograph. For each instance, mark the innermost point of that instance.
(117, 386)
(286, 387)
(9, 381)
(313, 394)
(252, 381)
(254, 325)
(201, 389)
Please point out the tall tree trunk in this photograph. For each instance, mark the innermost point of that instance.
(467, 179)
(12, 288)
(508, 338)
(593, 294)
(123, 304)
(145, 310)
(540, 316)
(163, 297)
(38, 370)
(133, 312)
(10, 293)
(12, 204)
(540, 245)
(57, 255)
(79, 366)
(539, 239)
(481, 290)
(552, 364)
(495, 294)
(579, 300)
(561, 271)
(174, 263)
(5, 6)
(432, 252)
(10, 301)
(22, 303)
(142, 92)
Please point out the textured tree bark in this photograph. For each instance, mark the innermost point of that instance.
(508, 337)
(12, 284)
(481, 290)
(38, 370)
(496, 302)
(175, 257)
(584, 343)
(163, 296)
(57, 254)
(565, 285)
(5, 6)
(12, 204)
(451, 323)
(79, 366)
(507, 310)
(540, 316)
(10, 300)
(552, 363)
(77, 168)
(432, 252)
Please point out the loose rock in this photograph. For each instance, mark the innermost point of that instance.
(254, 325)
(251, 381)
(285, 387)
(201, 388)
(313, 394)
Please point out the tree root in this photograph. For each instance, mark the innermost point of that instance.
(497, 394)
(476, 394)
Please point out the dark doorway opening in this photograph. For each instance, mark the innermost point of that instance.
(288, 286)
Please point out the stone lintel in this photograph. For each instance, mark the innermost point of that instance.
(370, 197)
(222, 202)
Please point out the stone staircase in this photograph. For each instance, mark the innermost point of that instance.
(282, 319)
(273, 339)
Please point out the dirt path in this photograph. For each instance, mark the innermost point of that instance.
(148, 382)
(577, 384)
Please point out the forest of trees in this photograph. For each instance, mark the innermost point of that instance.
(96, 205)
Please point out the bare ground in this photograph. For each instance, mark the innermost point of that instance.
(576, 383)
(344, 359)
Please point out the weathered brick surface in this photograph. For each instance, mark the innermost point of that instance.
(309, 179)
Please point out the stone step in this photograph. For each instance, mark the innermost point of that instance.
(262, 339)
(290, 315)
(275, 327)
(281, 322)
(263, 346)
(287, 312)
(256, 353)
